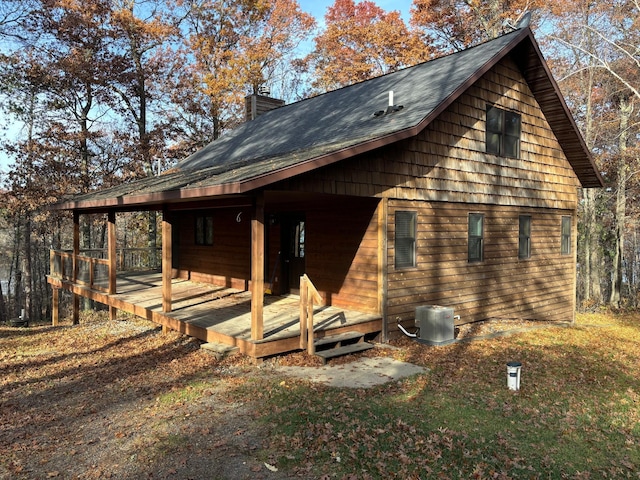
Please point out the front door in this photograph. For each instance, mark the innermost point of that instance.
(293, 248)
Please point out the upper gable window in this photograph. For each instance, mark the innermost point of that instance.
(503, 132)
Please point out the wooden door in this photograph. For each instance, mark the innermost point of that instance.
(294, 237)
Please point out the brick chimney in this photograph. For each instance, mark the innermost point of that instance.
(257, 104)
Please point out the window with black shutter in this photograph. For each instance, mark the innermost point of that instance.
(565, 242)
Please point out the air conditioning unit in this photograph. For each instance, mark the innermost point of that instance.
(435, 324)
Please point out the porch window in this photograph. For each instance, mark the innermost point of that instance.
(524, 237)
(503, 132)
(565, 241)
(405, 241)
(204, 230)
(476, 237)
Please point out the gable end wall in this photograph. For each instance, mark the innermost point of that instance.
(444, 174)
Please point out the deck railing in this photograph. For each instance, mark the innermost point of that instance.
(82, 269)
(308, 295)
(131, 259)
(91, 267)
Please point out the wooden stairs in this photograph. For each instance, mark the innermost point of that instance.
(332, 346)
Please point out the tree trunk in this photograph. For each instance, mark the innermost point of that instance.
(626, 108)
(27, 271)
(593, 265)
(590, 250)
(3, 307)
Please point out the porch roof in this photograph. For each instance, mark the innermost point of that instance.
(312, 133)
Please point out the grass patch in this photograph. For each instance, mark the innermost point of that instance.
(180, 395)
(576, 415)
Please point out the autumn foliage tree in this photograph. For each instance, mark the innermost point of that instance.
(454, 25)
(361, 41)
(230, 49)
(595, 46)
(108, 90)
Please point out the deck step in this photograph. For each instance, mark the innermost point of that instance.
(337, 339)
(219, 350)
(344, 350)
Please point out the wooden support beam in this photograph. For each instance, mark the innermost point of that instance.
(167, 260)
(382, 212)
(55, 306)
(111, 245)
(303, 313)
(76, 252)
(257, 269)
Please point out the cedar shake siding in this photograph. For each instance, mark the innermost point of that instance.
(443, 174)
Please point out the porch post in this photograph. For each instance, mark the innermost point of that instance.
(167, 260)
(74, 277)
(111, 245)
(55, 306)
(257, 268)
(383, 215)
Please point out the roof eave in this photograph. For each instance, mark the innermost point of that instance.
(579, 156)
(580, 159)
(151, 201)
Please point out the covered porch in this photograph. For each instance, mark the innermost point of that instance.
(222, 315)
(249, 284)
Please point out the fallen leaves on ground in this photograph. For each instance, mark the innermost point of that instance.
(119, 399)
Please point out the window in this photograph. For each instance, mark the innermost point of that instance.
(405, 246)
(565, 242)
(204, 230)
(297, 239)
(476, 237)
(503, 132)
(524, 237)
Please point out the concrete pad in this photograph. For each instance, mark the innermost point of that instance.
(363, 373)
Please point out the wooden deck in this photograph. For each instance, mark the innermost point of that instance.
(219, 314)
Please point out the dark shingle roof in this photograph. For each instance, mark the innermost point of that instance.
(313, 132)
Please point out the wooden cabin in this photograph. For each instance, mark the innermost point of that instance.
(453, 182)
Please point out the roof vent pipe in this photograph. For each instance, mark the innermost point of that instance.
(391, 108)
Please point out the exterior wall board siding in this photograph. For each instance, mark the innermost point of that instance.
(540, 287)
(227, 261)
(343, 251)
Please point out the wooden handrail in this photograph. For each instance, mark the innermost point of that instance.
(76, 259)
(308, 295)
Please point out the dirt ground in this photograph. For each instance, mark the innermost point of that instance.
(118, 399)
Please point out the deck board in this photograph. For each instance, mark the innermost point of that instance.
(225, 313)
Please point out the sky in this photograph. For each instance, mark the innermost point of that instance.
(317, 8)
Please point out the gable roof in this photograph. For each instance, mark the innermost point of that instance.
(321, 130)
